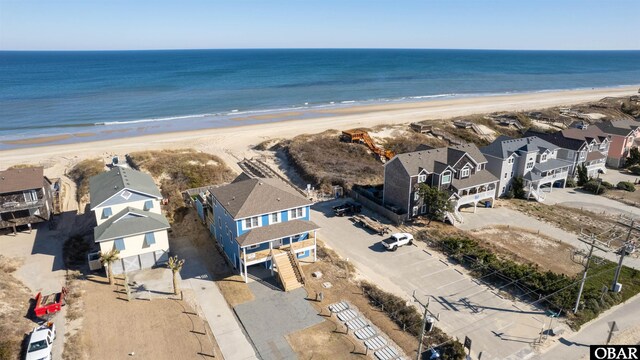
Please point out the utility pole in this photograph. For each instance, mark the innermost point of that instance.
(426, 321)
(626, 247)
(592, 242)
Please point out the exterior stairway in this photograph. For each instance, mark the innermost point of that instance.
(287, 271)
(537, 195)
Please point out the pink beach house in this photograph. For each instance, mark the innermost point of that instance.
(625, 134)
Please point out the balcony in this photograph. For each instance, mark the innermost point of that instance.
(11, 206)
(474, 198)
(265, 255)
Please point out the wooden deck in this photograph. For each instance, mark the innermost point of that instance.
(265, 255)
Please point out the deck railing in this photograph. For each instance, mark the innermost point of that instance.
(265, 255)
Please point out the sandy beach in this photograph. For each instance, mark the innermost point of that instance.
(234, 143)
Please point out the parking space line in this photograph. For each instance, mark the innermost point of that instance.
(433, 273)
(451, 283)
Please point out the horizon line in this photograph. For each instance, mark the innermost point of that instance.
(316, 48)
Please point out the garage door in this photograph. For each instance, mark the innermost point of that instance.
(147, 260)
(131, 263)
(116, 267)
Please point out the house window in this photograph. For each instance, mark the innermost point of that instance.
(252, 247)
(505, 175)
(149, 239)
(423, 209)
(219, 223)
(543, 157)
(464, 173)
(446, 178)
(148, 205)
(422, 178)
(274, 218)
(416, 196)
(30, 196)
(530, 165)
(125, 195)
(250, 223)
(296, 213)
(415, 211)
(106, 212)
(118, 244)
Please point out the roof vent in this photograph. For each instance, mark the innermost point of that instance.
(278, 199)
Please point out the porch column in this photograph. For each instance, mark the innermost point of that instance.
(244, 263)
(315, 246)
(475, 207)
(271, 252)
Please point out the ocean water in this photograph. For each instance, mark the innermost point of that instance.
(120, 92)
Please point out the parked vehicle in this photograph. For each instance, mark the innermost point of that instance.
(41, 342)
(347, 208)
(397, 240)
(49, 304)
(370, 223)
(94, 261)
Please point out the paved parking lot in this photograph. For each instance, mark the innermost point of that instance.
(499, 328)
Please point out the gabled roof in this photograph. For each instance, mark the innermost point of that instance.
(21, 179)
(106, 184)
(437, 160)
(276, 231)
(129, 221)
(618, 127)
(252, 197)
(481, 177)
(558, 139)
(504, 146)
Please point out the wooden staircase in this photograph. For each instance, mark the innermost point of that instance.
(288, 269)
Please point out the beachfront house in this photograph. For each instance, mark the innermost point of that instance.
(584, 145)
(625, 135)
(533, 159)
(25, 197)
(458, 169)
(264, 222)
(126, 205)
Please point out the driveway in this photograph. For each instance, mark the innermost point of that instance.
(576, 198)
(499, 328)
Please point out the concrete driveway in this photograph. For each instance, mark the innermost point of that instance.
(499, 328)
(577, 198)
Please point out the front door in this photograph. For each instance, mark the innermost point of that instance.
(276, 243)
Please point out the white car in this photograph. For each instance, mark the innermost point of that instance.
(396, 240)
(41, 342)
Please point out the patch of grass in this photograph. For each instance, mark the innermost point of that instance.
(75, 347)
(73, 297)
(324, 160)
(410, 142)
(528, 282)
(14, 302)
(81, 173)
(468, 135)
(21, 166)
(178, 170)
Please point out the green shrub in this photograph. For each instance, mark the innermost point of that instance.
(82, 172)
(571, 183)
(626, 185)
(593, 186)
(75, 251)
(607, 185)
(635, 169)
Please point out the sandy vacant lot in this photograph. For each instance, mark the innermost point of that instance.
(157, 329)
(527, 246)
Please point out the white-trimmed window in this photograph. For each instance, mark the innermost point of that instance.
(505, 175)
(252, 222)
(296, 213)
(423, 209)
(464, 173)
(414, 211)
(416, 196)
(446, 178)
(275, 218)
(125, 195)
(106, 212)
(543, 157)
(253, 247)
(530, 165)
(422, 178)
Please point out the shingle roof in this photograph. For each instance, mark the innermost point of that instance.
(480, 177)
(276, 231)
(552, 164)
(436, 160)
(129, 221)
(21, 179)
(504, 146)
(618, 127)
(257, 196)
(595, 155)
(106, 184)
(558, 139)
